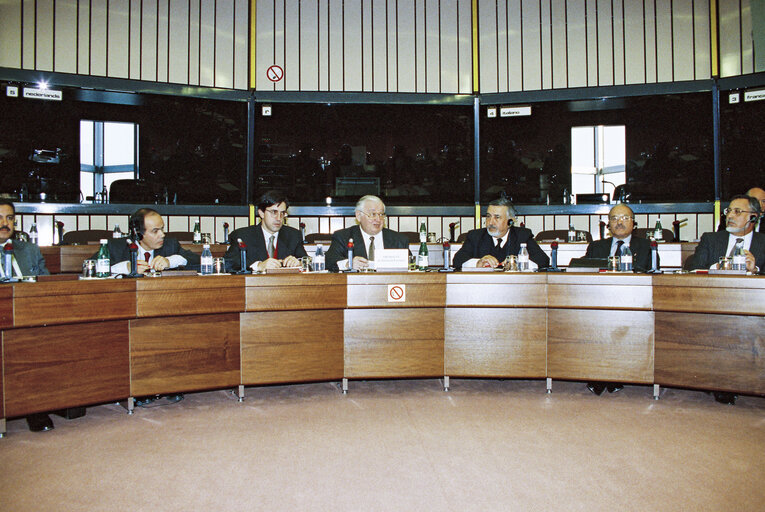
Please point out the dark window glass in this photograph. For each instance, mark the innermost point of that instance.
(743, 137)
(406, 154)
(668, 148)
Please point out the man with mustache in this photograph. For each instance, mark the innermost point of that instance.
(490, 246)
(621, 222)
(741, 218)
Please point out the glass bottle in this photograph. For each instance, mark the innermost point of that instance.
(423, 233)
(422, 255)
(33, 237)
(658, 233)
(197, 233)
(117, 233)
(103, 263)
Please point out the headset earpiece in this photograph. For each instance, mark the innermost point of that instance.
(136, 226)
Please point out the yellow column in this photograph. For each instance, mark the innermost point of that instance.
(253, 14)
(475, 48)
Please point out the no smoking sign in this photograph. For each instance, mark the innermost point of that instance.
(275, 73)
(396, 293)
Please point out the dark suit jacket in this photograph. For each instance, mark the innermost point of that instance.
(714, 245)
(479, 243)
(29, 258)
(288, 243)
(119, 251)
(338, 249)
(640, 247)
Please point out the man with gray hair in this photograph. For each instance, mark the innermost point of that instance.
(488, 247)
(368, 236)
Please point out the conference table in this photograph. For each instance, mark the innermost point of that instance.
(69, 342)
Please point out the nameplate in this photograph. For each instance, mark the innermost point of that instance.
(392, 259)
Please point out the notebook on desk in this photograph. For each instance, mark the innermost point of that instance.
(587, 264)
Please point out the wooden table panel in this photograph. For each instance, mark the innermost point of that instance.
(6, 306)
(49, 368)
(310, 349)
(188, 295)
(394, 342)
(72, 257)
(170, 355)
(52, 255)
(600, 345)
(495, 342)
(60, 302)
(279, 292)
(496, 289)
(722, 352)
(606, 291)
(694, 293)
(423, 289)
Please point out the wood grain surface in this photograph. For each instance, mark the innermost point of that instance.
(495, 342)
(368, 290)
(600, 345)
(291, 346)
(710, 294)
(61, 302)
(188, 295)
(295, 292)
(394, 342)
(49, 368)
(722, 352)
(169, 355)
(605, 291)
(496, 289)
(6, 307)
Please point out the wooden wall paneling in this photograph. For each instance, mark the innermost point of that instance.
(6, 307)
(310, 350)
(559, 57)
(166, 296)
(64, 302)
(2, 381)
(49, 368)
(495, 342)
(149, 47)
(178, 44)
(496, 289)
(65, 39)
(352, 38)
(600, 345)
(291, 44)
(371, 290)
(612, 291)
(634, 48)
(28, 41)
(10, 33)
(309, 47)
(723, 352)
(382, 343)
(729, 19)
(432, 47)
(449, 63)
(335, 48)
(709, 294)
(118, 38)
(224, 44)
(170, 355)
(52, 255)
(72, 256)
(490, 29)
(207, 44)
(295, 292)
(683, 43)
(531, 40)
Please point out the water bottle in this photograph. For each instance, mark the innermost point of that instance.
(33, 237)
(197, 233)
(523, 258)
(739, 257)
(658, 233)
(103, 261)
(571, 234)
(625, 259)
(206, 260)
(117, 233)
(318, 259)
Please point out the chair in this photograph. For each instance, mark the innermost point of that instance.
(85, 236)
(560, 234)
(181, 236)
(461, 238)
(667, 234)
(318, 238)
(412, 236)
(131, 191)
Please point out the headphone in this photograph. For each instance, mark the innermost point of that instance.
(137, 226)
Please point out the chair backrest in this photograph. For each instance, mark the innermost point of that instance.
(461, 238)
(412, 236)
(85, 236)
(561, 234)
(668, 234)
(130, 191)
(313, 238)
(181, 236)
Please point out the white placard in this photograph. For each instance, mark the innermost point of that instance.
(756, 95)
(392, 259)
(43, 94)
(396, 293)
(514, 111)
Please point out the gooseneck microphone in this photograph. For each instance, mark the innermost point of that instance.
(242, 256)
(447, 258)
(8, 263)
(133, 248)
(350, 256)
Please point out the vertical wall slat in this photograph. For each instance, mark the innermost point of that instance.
(264, 46)
(98, 40)
(352, 46)
(241, 38)
(406, 47)
(605, 46)
(649, 18)
(134, 51)
(532, 56)
(309, 42)
(545, 39)
(730, 37)
(701, 48)
(747, 41)
(577, 43)
(559, 47)
(634, 53)
(503, 46)
(44, 41)
(488, 70)
(420, 45)
(335, 49)
(379, 40)
(163, 32)
(118, 42)
(149, 40)
(591, 40)
(28, 43)
(619, 43)
(65, 41)
(178, 67)
(664, 40)
(449, 57)
(433, 46)
(465, 10)
(224, 44)
(207, 43)
(682, 22)
(291, 38)
(10, 32)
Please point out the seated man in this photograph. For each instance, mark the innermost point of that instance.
(759, 194)
(154, 250)
(370, 215)
(270, 244)
(621, 222)
(740, 221)
(488, 247)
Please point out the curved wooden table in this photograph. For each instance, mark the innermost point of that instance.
(74, 343)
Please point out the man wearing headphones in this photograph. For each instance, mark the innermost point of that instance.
(759, 194)
(740, 221)
(154, 250)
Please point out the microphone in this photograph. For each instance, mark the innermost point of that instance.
(447, 258)
(676, 228)
(602, 230)
(655, 257)
(302, 232)
(452, 227)
(350, 256)
(554, 255)
(242, 256)
(60, 229)
(8, 263)
(225, 232)
(133, 247)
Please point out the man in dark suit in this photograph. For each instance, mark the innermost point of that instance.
(759, 194)
(740, 221)
(488, 247)
(154, 250)
(368, 236)
(271, 243)
(621, 222)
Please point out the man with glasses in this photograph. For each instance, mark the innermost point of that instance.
(270, 243)
(154, 250)
(741, 218)
(488, 247)
(621, 223)
(369, 235)
(759, 194)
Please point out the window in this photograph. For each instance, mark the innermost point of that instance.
(597, 159)
(107, 153)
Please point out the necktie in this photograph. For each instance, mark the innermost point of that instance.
(499, 243)
(147, 256)
(733, 249)
(271, 247)
(371, 248)
(619, 245)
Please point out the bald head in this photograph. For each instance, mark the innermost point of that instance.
(621, 221)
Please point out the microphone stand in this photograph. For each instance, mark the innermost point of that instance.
(8, 264)
(447, 257)
(242, 258)
(133, 247)
(350, 268)
(655, 258)
(554, 258)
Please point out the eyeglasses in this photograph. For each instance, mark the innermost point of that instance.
(374, 215)
(278, 213)
(623, 218)
(735, 211)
